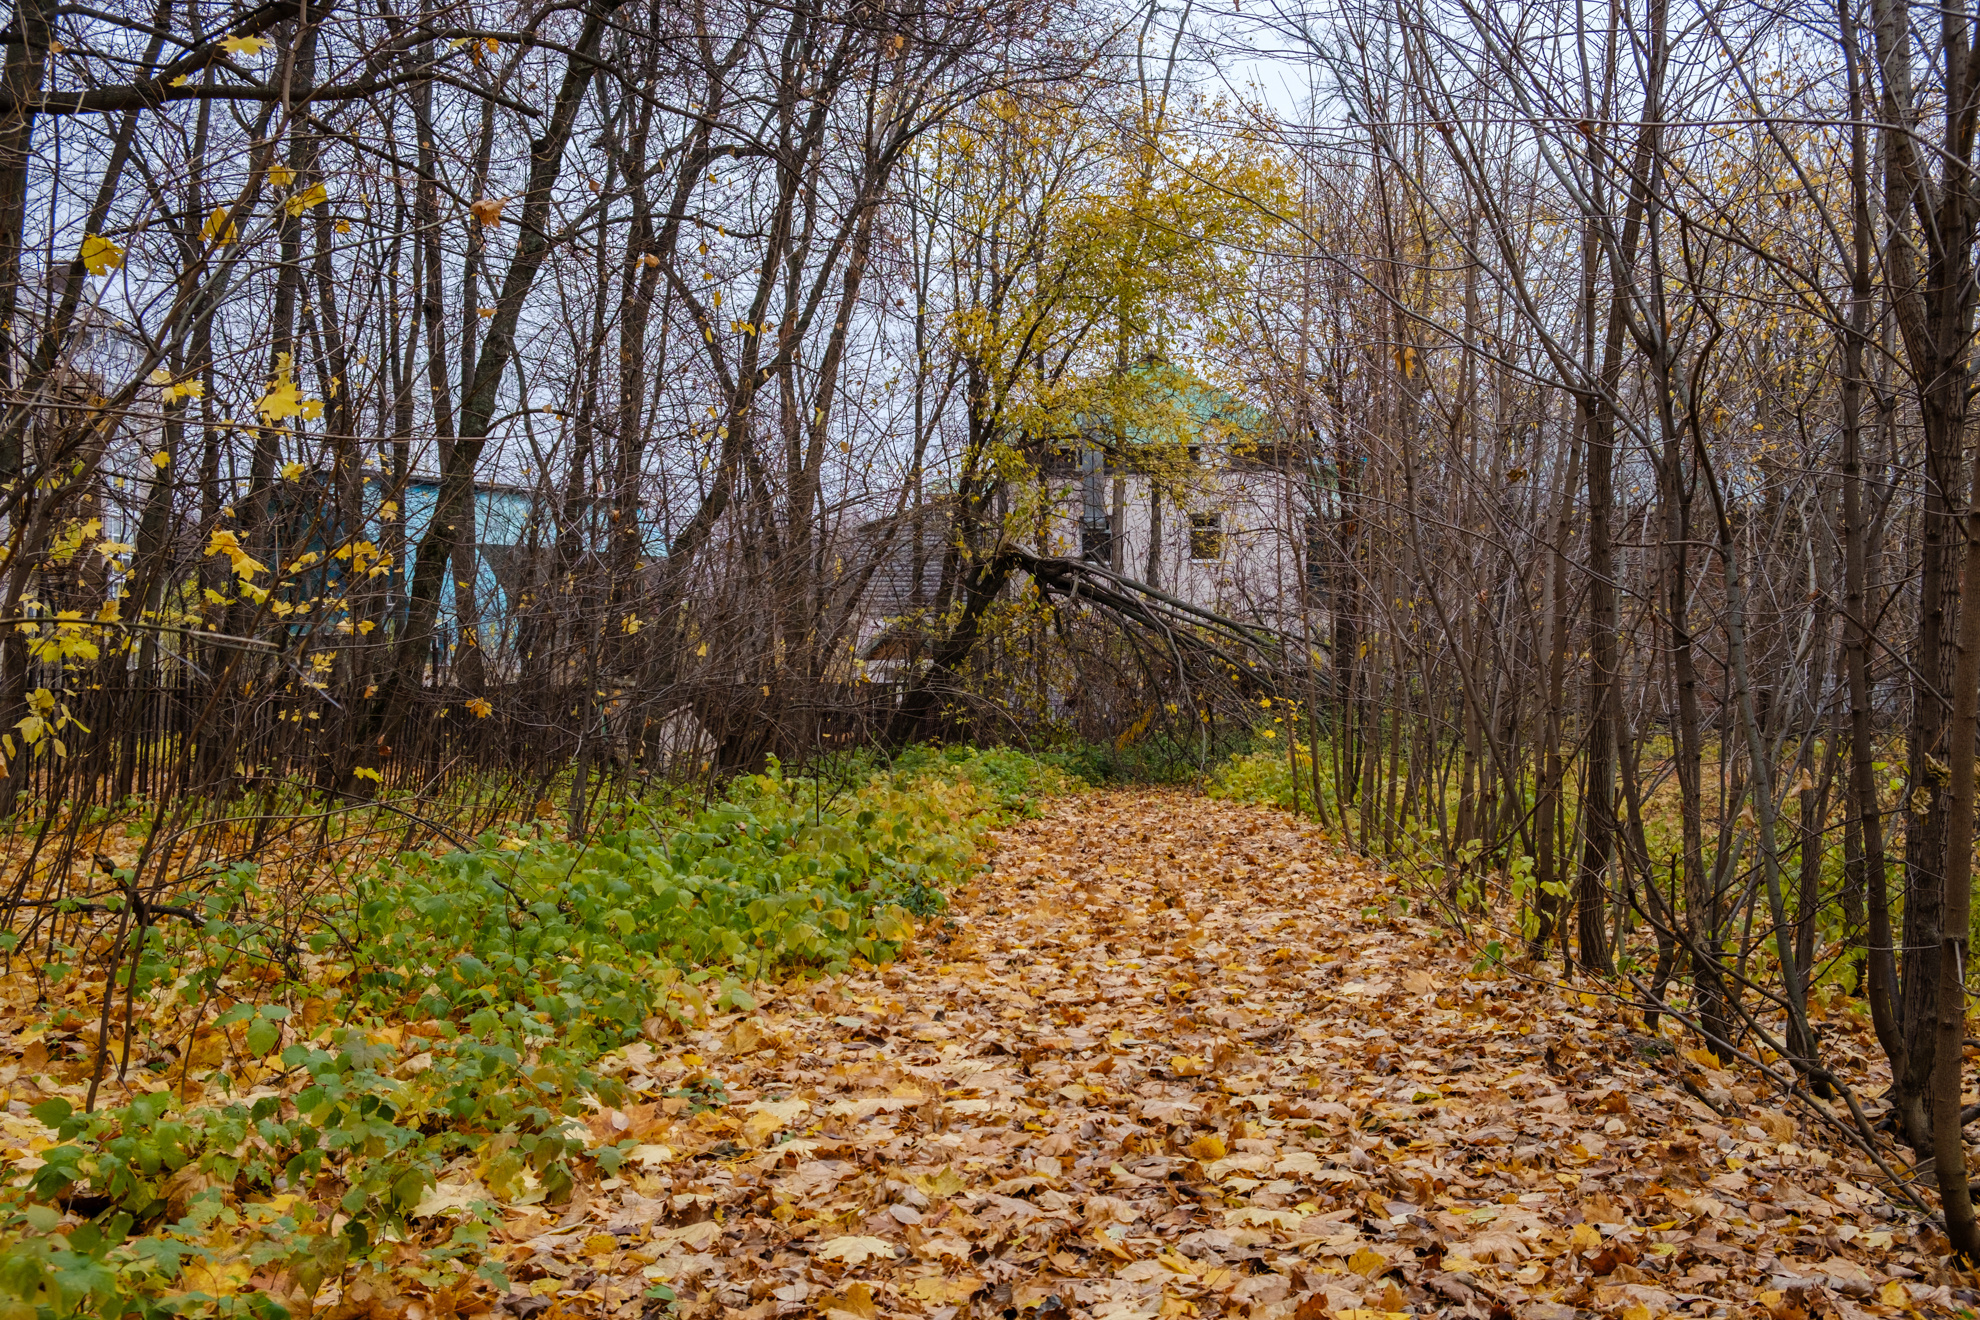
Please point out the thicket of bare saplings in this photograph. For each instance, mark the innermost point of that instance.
(1542, 438)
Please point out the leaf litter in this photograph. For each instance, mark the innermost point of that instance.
(1176, 1057)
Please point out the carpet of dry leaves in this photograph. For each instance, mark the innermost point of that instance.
(1177, 1057)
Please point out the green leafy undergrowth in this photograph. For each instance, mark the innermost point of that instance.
(1016, 781)
(450, 1016)
(1266, 776)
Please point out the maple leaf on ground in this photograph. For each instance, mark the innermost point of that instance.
(854, 1250)
(451, 1196)
(855, 1303)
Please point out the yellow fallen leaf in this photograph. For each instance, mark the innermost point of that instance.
(1208, 1147)
(937, 1290)
(785, 1112)
(216, 1279)
(855, 1249)
(855, 1303)
(1586, 1237)
(455, 1194)
(938, 1186)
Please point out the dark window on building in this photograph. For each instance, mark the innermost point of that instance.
(1206, 537)
(1096, 542)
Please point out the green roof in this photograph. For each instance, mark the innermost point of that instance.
(1169, 404)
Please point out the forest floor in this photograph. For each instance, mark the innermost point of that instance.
(1172, 1056)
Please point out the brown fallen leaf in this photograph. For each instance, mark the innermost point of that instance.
(854, 1250)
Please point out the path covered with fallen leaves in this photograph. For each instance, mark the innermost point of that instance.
(1174, 1057)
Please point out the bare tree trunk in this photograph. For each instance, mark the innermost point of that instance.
(1949, 1054)
(1866, 816)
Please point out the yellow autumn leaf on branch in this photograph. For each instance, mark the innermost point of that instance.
(314, 195)
(100, 256)
(281, 176)
(219, 227)
(245, 45)
(283, 399)
(229, 544)
(293, 471)
(184, 389)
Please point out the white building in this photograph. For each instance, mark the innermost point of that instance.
(1195, 498)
